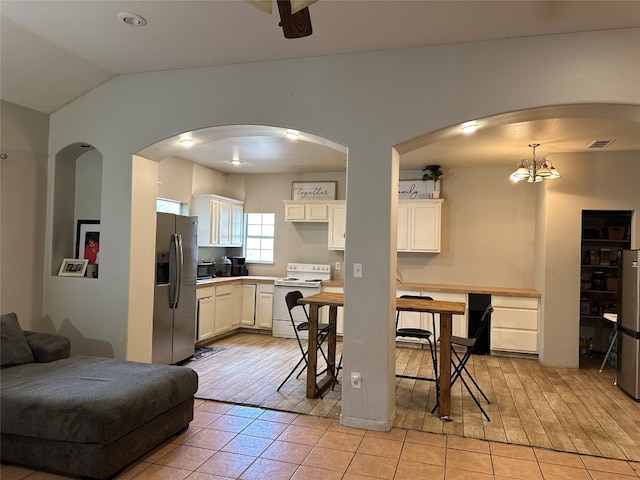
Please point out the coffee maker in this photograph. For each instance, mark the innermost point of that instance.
(238, 267)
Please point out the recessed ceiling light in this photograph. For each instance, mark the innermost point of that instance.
(132, 19)
(236, 162)
(469, 127)
(186, 142)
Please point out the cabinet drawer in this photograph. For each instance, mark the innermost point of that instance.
(514, 340)
(224, 289)
(205, 292)
(515, 318)
(514, 302)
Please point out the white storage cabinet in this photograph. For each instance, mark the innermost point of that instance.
(220, 220)
(514, 324)
(296, 211)
(337, 226)
(419, 225)
(224, 311)
(205, 298)
(264, 306)
(248, 306)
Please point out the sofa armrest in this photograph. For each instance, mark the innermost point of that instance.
(48, 347)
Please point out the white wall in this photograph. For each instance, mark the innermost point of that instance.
(367, 102)
(593, 181)
(23, 176)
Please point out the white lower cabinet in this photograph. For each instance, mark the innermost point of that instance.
(224, 311)
(205, 298)
(264, 306)
(514, 324)
(227, 307)
(248, 305)
(324, 311)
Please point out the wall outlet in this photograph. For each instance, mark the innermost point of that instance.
(337, 265)
(356, 380)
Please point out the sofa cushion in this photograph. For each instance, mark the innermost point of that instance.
(47, 347)
(89, 399)
(14, 349)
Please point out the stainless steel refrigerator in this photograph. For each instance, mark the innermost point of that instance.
(174, 303)
(629, 324)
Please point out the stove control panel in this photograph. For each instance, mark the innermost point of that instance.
(308, 267)
(309, 270)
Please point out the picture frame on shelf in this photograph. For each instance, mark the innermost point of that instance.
(323, 190)
(88, 240)
(73, 267)
(414, 190)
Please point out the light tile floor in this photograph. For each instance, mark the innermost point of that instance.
(227, 441)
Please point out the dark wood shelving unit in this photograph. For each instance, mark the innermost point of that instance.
(605, 233)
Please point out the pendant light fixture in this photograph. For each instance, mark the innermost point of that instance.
(534, 171)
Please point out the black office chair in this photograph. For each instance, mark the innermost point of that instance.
(323, 332)
(460, 362)
(420, 334)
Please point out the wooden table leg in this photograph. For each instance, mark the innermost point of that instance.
(445, 367)
(312, 357)
(331, 339)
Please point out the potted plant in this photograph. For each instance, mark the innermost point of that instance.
(433, 173)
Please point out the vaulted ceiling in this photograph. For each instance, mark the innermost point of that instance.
(53, 52)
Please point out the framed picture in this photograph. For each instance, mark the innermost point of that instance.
(88, 240)
(73, 267)
(313, 190)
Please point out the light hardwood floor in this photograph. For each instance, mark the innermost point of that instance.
(569, 410)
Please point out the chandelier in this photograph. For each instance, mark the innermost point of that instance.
(535, 170)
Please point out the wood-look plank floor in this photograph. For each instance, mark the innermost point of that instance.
(563, 409)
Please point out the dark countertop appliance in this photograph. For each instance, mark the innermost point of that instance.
(206, 270)
(238, 267)
(224, 268)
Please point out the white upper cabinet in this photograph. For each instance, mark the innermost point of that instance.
(296, 211)
(419, 225)
(337, 225)
(220, 220)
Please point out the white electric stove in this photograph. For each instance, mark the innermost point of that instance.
(305, 277)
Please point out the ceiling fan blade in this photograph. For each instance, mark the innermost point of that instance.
(294, 25)
(264, 5)
(297, 5)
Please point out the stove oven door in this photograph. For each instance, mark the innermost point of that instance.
(281, 322)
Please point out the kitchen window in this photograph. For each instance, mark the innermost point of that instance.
(258, 237)
(165, 205)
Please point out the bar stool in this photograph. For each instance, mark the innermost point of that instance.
(612, 317)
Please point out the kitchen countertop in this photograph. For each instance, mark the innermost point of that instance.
(418, 287)
(432, 287)
(212, 282)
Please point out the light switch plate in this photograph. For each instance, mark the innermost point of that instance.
(357, 270)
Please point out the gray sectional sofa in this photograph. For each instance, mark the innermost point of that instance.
(80, 415)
